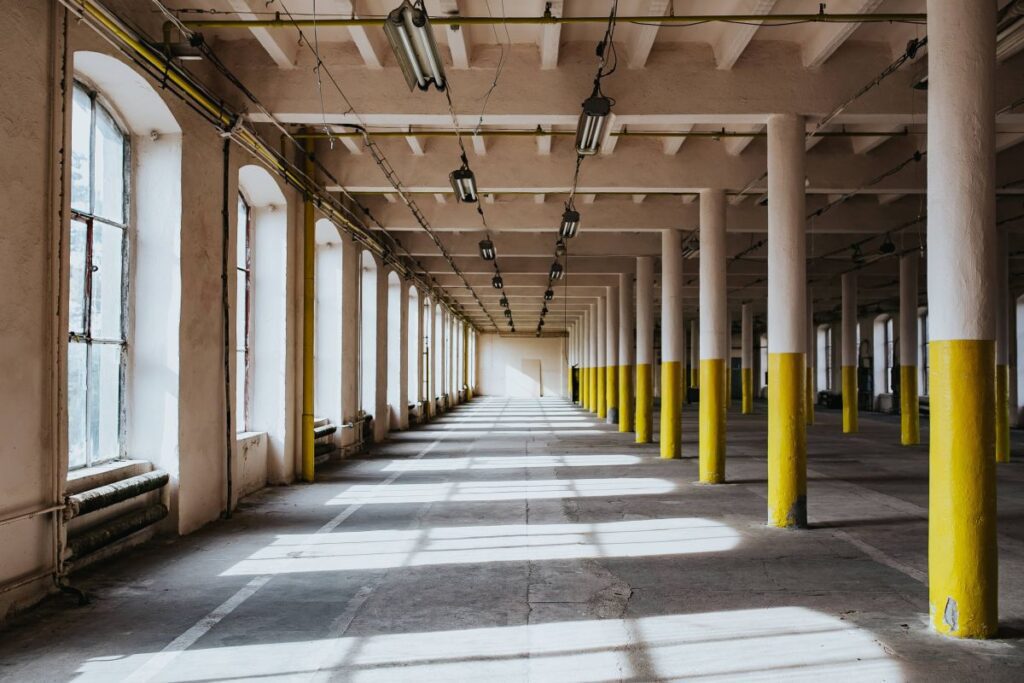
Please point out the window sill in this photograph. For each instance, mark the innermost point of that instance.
(100, 475)
(241, 437)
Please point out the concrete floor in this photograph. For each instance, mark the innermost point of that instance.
(523, 540)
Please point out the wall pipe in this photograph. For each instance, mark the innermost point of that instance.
(548, 19)
(615, 134)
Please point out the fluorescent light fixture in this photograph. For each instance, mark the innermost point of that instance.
(590, 127)
(556, 271)
(408, 31)
(464, 183)
(487, 252)
(570, 223)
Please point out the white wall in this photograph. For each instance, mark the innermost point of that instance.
(506, 366)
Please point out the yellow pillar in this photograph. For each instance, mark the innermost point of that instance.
(747, 360)
(787, 441)
(644, 349)
(671, 408)
(850, 352)
(747, 379)
(712, 413)
(910, 410)
(644, 402)
(592, 399)
(602, 397)
(625, 398)
(673, 346)
(611, 386)
(849, 400)
(1002, 388)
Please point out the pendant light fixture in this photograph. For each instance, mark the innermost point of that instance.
(487, 252)
(407, 28)
(591, 124)
(464, 183)
(503, 301)
(496, 281)
(556, 271)
(508, 313)
(570, 222)
(549, 295)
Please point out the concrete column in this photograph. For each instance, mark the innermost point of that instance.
(747, 359)
(835, 331)
(812, 348)
(644, 349)
(714, 346)
(611, 383)
(419, 369)
(442, 350)
(695, 353)
(592, 372)
(626, 354)
(1002, 296)
(403, 357)
(962, 552)
(602, 357)
(910, 411)
(350, 276)
(380, 408)
(850, 345)
(672, 343)
(787, 334)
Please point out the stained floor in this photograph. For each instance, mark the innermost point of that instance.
(516, 540)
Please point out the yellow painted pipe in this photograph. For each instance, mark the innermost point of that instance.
(962, 553)
(910, 409)
(626, 398)
(747, 381)
(611, 386)
(810, 395)
(712, 416)
(308, 322)
(1002, 413)
(787, 441)
(602, 397)
(671, 408)
(849, 399)
(644, 402)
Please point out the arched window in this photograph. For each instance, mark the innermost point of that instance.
(243, 312)
(99, 243)
(368, 336)
(413, 358)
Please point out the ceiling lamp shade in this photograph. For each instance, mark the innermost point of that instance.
(487, 252)
(508, 313)
(544, 310)
(408, 31)
(464, 183)
(549, 295)
(556, 271)
(496, 282)
(503, 301)
(570, 223)
(590, 127)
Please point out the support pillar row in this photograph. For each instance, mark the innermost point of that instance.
(714, 347)
(672, 343)
(849, 353)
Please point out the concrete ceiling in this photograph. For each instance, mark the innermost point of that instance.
(674, 87)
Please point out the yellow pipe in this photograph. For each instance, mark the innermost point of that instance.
(308, 322)
(849, 399)
(1002, 413)
(625, 398)
(611, 386)
(787, 441)
(602, 397)
(910, 410)
(644, 402)
(810, 395)
(747, 380)
(712, 416)
(962, 553)
(671, 408)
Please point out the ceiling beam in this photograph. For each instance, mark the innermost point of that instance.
(828, 38)
(735, 38)
(282, 46)
(369, 48)
(550, 39)
(641, 40)
(458, 38)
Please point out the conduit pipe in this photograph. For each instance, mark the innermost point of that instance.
(625, 133)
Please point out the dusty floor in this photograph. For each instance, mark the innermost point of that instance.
(524, 540)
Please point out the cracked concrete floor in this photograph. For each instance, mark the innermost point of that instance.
(525, 540)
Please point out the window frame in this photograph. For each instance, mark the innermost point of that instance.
(245, 308)
(89, 219)
(889, 351)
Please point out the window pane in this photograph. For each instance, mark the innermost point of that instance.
(76, 299)
(81, 123)
(240, 308)
(240, 375)
(107, 280)
(76, 405)
(105, 402)
(109, 168)
(242, 238)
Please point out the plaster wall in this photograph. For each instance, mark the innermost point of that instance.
(503, 359)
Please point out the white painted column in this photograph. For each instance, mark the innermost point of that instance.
(626, 352)
(850, 353)
(381, 414)
(747, 359)
(694, 380)
(611, 383)
(910, 421)
(592, 348)
(403, 357)
(787, 312)
(644, 348)
(602, 355)
(350, 277)
(714, 331)
(962, 245)
(672, 343)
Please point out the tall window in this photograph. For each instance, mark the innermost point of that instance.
(98, 282)
(243, 291)
(828, 358)
(889, 351)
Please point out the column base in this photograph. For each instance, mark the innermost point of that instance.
(910, 407)
(625, 398)
(712, 418)
(644, 402)
(787, 441)
(671, 409)
(849, 400)
(747, 380)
